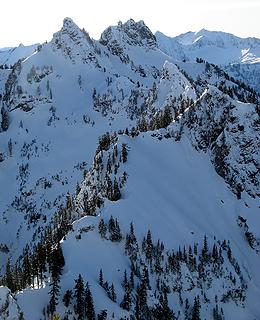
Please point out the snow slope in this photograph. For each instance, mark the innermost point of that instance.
(179, 209)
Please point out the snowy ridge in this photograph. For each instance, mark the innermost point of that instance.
(209, 44)
(228, 126)
(10, 56)
(219, 48)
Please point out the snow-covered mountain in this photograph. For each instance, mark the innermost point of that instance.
(9, 56)
(239, 56)
(129, 181)
(216, 47)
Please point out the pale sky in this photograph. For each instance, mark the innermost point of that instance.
(32, 21)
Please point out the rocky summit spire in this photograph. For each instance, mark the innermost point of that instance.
(69, 29)
(131, 33)
(73, 41)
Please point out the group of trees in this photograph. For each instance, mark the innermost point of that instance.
(238, 89)
(105, 141)
(5, 66)
(103, 181)
(31, 268)
(84, 306)
(150, 260)
(161, 118)
(110, 230)
(240, 92)
(44, 259)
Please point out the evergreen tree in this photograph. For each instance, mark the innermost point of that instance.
(111, 226)
(102, 315)
(102, 228)
(124, 153)
(126, 302)
(9, 281)
(90, 311)
(104, 142)
(109, 188)
(112, 293)
(141, 302)
(166, 117)
(117, 232)
(167, 312)
(142, 125)
(68, 202)
(149, 246)
(27, 270)
(131, 281)
(138, 315)
(101, 278)
(10, 147)
(187, 307)
(17, 277)
(54, 293)
(114, 230)
(56, 261)
(80, 298)
(145, 278)
(67, 298)
(116, 195)
(161, 310)
(229, 253)
(125, 281)
(196, 309)
(21, 316)
(195, 249)
(205, 252)
(5, 119)
(215, 253)
(216, 314)
(131, 245)
(41, 257)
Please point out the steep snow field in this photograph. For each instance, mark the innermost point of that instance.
(173, 191)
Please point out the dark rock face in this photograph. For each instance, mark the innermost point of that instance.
(229, 132)
(132, 33)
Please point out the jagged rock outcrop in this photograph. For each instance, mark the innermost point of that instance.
(75, 43)
(131, 33)
(229, 131)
